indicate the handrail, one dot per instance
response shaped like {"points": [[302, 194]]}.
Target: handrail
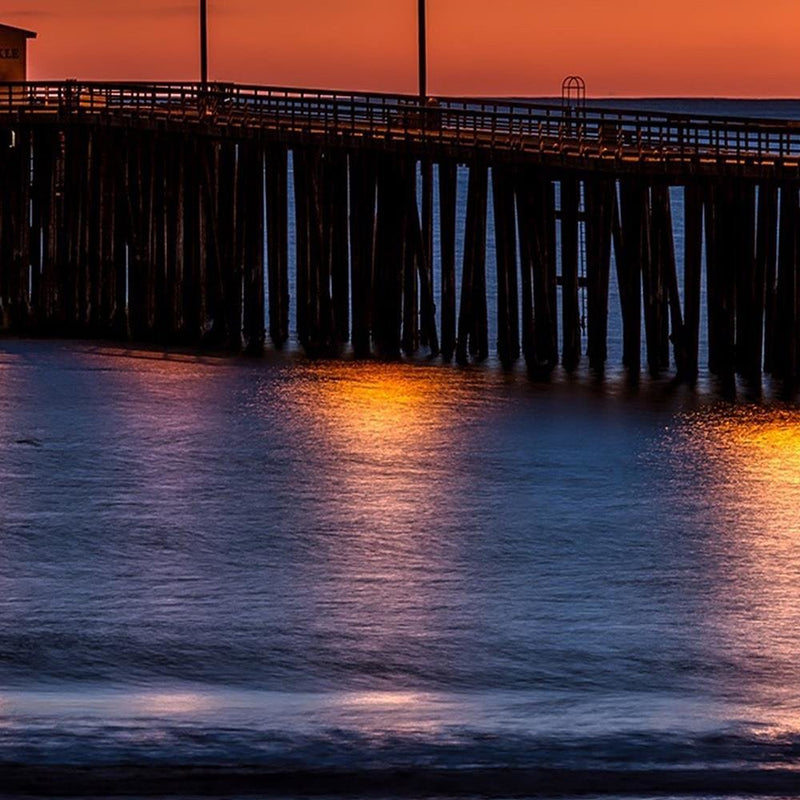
{"points": [[492, 124]]}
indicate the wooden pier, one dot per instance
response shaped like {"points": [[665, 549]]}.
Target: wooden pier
{"points": [[161, 213]]}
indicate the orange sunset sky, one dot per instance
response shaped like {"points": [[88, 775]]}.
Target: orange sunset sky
{"points": [[494, 47]]}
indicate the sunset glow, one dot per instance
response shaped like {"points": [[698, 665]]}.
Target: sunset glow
{"points": [[506, 47]]}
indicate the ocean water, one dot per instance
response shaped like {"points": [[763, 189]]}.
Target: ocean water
{"points": [[227, 577]]}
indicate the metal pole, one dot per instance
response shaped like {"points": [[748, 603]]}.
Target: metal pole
{"points": [[423, 54], [204, 43]]}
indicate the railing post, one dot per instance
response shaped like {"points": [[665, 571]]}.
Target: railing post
{"points": [[70, 87]]}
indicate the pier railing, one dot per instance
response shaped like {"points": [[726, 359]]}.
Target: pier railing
{"points": [[511, 125]]}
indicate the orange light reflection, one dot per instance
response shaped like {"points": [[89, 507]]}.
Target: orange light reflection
{"points": [[388, 548], [741, 467], [390, 428]]}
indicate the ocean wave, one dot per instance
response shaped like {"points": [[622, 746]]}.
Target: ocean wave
{"points": [[134, 743]]}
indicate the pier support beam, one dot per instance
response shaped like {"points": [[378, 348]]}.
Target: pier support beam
{"points": [[630, 247], [251, 194], [692, 277], [506, 257], [389, 258], [363, 182], [535, 196], [600, 197], [786, 323], [448, 185], [766, 266], [278, 244], [472, 322], [570, 250], [421, 252], [721, 261], [749, 286]]}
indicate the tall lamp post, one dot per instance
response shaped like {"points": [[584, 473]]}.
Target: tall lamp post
{"points": [[204, 43], [423, 52]]}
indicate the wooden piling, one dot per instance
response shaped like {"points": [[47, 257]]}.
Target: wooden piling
{"points": [[420, 249], [677, 330], [472, 322], [479, 335], [570, 195], [230, 227], [536, 221], [652, 286], [721, 261], [17, 228], [337, 195], [302, 231], [523, 193], [49, 157], [428, 334], [158, 300], [136, 194], [410, 219], [448, 186], [508, 346], [321, 338], [363, 186], [630, 251], [171, 280], [600, 196], [74, 175], [252, 213], [278, 244], [711, 208], [749, 286], [42, 168], [112, 233], [665, 301], [35, 270], [5, 234], [692, 277], [785, 357], [190, 241], [766, 267], [389, 259]]}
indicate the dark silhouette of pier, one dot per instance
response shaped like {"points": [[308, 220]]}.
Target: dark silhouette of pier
{"points": [[160, 212]]}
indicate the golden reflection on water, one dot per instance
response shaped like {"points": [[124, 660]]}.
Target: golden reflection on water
{"points": [[380, 405], [754, 460], [387, 429], [386, 506], [741, 468]]}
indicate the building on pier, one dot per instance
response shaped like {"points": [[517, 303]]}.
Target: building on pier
{"points": [[14, 53]]}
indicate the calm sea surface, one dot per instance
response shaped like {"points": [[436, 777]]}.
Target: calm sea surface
{"points": [[395, 570]]}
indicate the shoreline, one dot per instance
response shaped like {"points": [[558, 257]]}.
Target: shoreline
{"points": [[204, 781]]}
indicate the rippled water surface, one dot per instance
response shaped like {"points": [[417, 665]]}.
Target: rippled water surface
{"points": [[315, 565]]}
